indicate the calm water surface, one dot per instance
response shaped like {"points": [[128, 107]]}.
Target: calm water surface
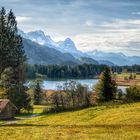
{"points": [[52, 84]]}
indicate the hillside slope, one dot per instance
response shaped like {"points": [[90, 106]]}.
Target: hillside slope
{"points": [[38, 54], [106, 122]]}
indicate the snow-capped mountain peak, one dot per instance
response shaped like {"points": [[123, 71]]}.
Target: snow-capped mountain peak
{"points": [[67, 45], [37, 33], [40, 38], [68, 40], [37, 36]]}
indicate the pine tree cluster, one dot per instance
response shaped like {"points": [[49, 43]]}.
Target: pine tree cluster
{"points": [[12, 61]]}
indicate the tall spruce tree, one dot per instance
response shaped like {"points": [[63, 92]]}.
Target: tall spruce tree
{"points": [[106, 86], [37, 94], [12, 56], [3, 40]]}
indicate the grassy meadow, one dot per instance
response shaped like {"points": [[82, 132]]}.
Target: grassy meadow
{"points": [[104, 122], [120, 79]]}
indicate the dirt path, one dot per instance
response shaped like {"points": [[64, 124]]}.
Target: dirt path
{"points": [[15, 120]]}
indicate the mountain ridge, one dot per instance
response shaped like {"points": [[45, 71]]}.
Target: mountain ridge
{"points": [[68, 46], [117, 58]]}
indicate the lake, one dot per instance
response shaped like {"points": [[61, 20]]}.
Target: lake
{"points": [[52, 84]]}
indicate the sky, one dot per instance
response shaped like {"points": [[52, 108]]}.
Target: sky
{"points": [[104, 25]]}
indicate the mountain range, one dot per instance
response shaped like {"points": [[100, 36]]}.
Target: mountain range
{"points": [[116, 58], [39, 54], [41, 49]]}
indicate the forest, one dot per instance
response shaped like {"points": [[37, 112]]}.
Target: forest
{"points": [[78, 71]]}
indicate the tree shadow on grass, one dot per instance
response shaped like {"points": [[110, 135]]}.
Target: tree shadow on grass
{"points": [[74, 126]]}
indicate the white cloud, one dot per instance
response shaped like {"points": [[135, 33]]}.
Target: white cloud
{"points": [[56, 36], [22, 19], [117, 36], [89, 23], [122, 24]]}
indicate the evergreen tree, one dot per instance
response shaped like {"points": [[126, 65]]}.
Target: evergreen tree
{"points": [[2, 38], [12, 56], [37, 94], [134, 75], [106, 86], [131, 76], [6, 78]]}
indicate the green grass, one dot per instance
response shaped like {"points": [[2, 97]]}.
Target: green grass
{"points": [[1, 122], [122, 75], [120, 79], [38, 109], [105, 122]]}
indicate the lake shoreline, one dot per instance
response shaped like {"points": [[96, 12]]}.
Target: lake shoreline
{"points": [[52, 85]]}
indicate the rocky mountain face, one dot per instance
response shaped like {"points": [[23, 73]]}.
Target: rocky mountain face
{"points": [[39, 54], [41, 49]]}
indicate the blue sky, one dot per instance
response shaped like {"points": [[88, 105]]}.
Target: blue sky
{"points": [[107, 25]]}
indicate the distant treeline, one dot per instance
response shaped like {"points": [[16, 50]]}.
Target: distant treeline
{"points": [[65, 71], [78, 71], [130, 69]]}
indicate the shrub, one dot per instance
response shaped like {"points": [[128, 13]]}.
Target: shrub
{"points": [[70, 96], [125, 78], [133, 93], [120, 94]]}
